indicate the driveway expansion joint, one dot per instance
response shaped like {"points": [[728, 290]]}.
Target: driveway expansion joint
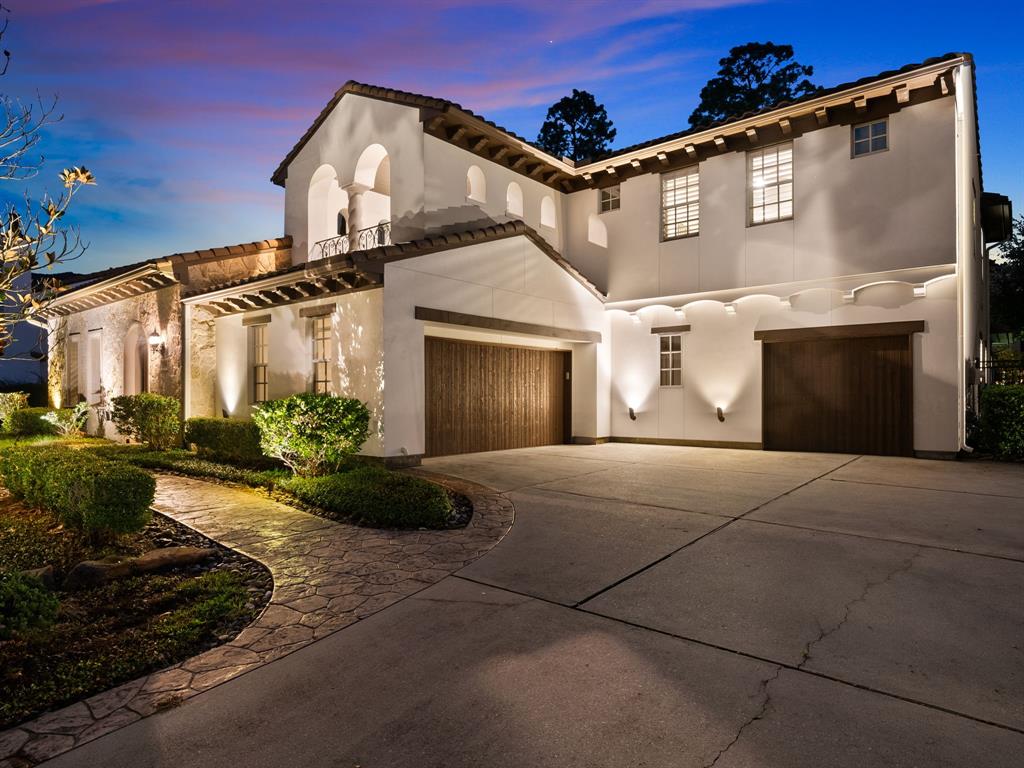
{"points": [[327, 576]]}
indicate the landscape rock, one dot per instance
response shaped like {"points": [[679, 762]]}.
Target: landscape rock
{"points": [[172, 557], [44, 574], [92, 573]]}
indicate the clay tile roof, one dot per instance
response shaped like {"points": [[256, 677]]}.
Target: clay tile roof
{"points": [[782, 104], [380, 255]]}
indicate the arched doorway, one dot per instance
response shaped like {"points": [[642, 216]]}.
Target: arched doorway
{"points": [[136, 361]]}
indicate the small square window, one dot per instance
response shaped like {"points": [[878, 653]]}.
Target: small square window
{"points": [[870, 138], [609, 199], [670, 358]]}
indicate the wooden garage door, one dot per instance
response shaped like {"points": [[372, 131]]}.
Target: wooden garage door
{"points": [[486, 397], [852, 395]]}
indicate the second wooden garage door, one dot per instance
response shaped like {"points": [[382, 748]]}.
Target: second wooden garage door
{"points": [[487, 397], [850, 395]]}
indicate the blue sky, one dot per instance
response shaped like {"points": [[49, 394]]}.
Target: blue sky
{"points": [[183, 110]]}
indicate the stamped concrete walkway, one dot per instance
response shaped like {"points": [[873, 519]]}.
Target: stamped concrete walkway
{"points": [[326, 576]]}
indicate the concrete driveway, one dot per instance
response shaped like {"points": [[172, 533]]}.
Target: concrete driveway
{"points": [[661, 606]]}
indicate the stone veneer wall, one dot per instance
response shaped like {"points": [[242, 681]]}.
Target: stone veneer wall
{"points": [[158, 311]]}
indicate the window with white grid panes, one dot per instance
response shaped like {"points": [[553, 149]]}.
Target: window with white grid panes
{"points": [[321, 332], [671, 359], [771, 183]]}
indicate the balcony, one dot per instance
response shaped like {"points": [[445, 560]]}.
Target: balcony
{"points": [[361, 240]]}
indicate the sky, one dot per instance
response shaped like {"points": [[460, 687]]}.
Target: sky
{"points": [[183, 110]]}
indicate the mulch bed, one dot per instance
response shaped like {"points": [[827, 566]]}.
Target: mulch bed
{"points": [[116, 632]]}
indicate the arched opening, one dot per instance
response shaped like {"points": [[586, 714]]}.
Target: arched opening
{"points": [[547, 213], [371, 200], [476, 185], [597, 233], [328, 207], [135, 361], [514, 200]]}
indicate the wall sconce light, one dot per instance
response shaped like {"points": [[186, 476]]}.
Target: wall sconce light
{"points": [[920, 291], [156, 340], [632, 414], [786, 303], [721, 413], [635, 318], [680, 313], [730, 308]]}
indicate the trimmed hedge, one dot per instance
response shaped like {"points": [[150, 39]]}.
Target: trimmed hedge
{"points": [[233, 440], [25, 605], [28, 422], [375, 496], [1002, 420], [99, 497]]}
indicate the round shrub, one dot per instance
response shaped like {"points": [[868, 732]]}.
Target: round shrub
{"points": [[235, 441], [9, 403], [29, 422], [377, 497], [148, 418], [312, 434], [25, 605]]}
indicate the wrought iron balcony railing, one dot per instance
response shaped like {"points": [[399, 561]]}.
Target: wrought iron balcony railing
{"points": [[374, 237], [362, 240], [332, 246]]}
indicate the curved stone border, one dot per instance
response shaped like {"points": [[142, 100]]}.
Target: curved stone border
{"points": [[327, 575]]}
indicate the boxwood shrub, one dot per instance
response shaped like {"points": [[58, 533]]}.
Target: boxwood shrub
{"points": [[312, 434], [236, 441], [99, 497], [9, 403], [1002, 420], [25, 605], [26, 422], [149, 418], [374, 496]]}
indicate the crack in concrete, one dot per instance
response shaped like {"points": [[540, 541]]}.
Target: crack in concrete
{"points": [[823, 633], [762, 711]]}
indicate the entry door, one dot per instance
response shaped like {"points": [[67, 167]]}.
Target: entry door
{"points": [[489, 397], [850, 395]]}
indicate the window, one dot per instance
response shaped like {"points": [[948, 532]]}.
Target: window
{"points": [[547, 213], [680, 205], [870, 138], [258, 350], [514, 200], [671, 352], [321, 332], [609, 199], [476, 185], [771, 183]]}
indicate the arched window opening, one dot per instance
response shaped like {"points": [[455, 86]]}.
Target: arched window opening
{"points": [[514, 200], [547, 213], [476, 185], [328, 203]]}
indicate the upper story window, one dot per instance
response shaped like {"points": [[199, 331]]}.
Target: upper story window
{"points": [[476, 185], [870, 138], [320, 328], [609, 199], [671, 358], [771, 183], [260, 357], [680, 204]]}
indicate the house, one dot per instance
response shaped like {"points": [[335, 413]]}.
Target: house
{"points": [[809, 277]]}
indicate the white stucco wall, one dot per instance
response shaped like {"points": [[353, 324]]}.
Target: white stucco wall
{"points": [[356, 123], [510, 279], [722, 362], [886, 211], [447, 204], [356, 353]]}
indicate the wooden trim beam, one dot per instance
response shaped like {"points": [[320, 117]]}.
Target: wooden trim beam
{"points": [[256, 320], [323, 309], [670, 329], [861, 331], [506, 326]]}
